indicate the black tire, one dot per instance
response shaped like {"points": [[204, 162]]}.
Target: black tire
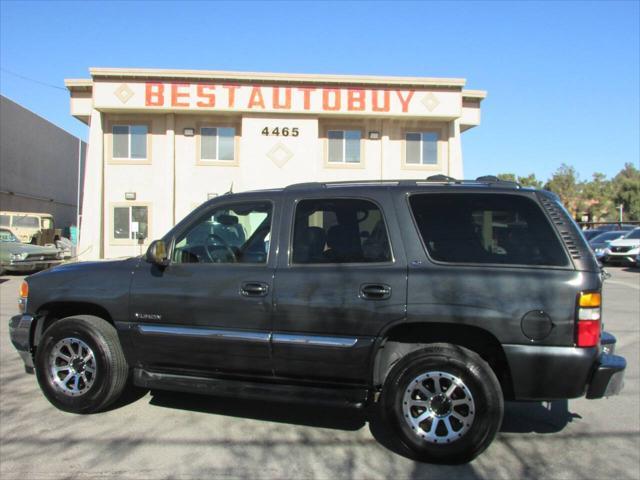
{"points": [[111, 370], [478, 378]]}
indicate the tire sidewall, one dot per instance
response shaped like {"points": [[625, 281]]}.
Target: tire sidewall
{"points": [[99, 390], [487, 400]]}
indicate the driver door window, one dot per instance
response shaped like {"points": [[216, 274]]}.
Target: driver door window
{"points": [[228, 234]]}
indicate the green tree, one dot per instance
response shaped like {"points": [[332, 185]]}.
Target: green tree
{"points": [[530, 181], [626, 191], [597, 198], [564, 183], [507, 177]]}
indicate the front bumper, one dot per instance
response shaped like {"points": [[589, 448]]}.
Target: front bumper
{"points": [[622, 257], [20, 334], [30, 265]]}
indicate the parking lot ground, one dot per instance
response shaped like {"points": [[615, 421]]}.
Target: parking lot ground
{"points": [[153, 435]]}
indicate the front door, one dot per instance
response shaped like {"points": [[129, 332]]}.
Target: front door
{"points": [[343, 281], [210, 309]]}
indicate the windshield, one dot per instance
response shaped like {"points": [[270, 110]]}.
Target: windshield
{"points": [[607, 236], [7, 236], [25, 221], [634, 234]]}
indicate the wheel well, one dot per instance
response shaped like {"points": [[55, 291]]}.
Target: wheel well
{"points": [[53, 311], [405, 338]]}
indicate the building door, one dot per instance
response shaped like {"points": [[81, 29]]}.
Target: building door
{"points": [[341, 283], [210, 309]]}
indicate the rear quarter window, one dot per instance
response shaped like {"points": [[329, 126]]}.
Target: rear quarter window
{"points": [[486, 228]]}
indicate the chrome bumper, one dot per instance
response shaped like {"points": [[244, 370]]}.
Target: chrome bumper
{"points": [[20, 334], [29, 265]]}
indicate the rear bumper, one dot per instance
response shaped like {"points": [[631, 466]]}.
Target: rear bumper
{"points": [[554, 373]]}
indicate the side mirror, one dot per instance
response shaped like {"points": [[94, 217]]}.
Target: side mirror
{"points": [[157, 253]]}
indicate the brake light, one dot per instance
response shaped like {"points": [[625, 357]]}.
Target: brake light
{"points": [[588, 319]]}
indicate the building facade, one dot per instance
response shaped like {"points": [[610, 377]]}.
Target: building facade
{"points": [[38, 165], [162, 142]]}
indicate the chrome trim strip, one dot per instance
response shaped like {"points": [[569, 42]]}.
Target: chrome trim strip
{"points": [[213, 333], [315, 340]]}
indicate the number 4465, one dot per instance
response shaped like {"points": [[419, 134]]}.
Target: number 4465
{"points": [[284, 131]]}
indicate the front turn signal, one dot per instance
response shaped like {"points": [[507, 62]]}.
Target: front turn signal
{"points": [[24, 294]]}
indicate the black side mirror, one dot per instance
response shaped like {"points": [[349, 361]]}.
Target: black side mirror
{"points": [[158, 253]]}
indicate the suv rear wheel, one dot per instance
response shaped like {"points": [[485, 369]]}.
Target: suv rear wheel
{"points": [[444, 402], [80, 364]]}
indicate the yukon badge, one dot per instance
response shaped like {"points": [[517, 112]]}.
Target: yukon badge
{"points": [[147, 316]]}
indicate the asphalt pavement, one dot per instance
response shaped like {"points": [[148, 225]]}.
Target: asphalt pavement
{"points": [[153, 435]]}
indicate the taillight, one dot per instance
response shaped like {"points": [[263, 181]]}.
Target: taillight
{"points": [[588, 319]]}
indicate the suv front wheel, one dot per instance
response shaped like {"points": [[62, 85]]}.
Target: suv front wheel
{"points": [[80, 364], [445, 403]]}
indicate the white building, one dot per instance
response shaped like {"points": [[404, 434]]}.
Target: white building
{"points": [[163, 141]]}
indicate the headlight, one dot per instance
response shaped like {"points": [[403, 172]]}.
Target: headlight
{"points": [[599, 251], [19, 256]]}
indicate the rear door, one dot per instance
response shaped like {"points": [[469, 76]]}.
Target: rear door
{"points": [[341, 278]]}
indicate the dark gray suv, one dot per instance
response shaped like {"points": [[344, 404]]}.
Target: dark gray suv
{"points": [[430, 301]]}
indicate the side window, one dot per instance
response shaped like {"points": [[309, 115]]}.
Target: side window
{"points": [[229, 234], [4, 220], [339, 231], [486, 228]]}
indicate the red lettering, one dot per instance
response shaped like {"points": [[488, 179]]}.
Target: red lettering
{"points": [[255, 99], [307, 96], [405, 101], [287, 98], [154, 95], [355, 100], [206, 92], [336, 99], [232, 94], [176, 95], [376, 106]]}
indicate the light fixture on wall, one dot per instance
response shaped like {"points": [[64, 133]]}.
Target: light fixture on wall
{"points": [[129, 195], [374, 135], [211, 195], [189, 132]]}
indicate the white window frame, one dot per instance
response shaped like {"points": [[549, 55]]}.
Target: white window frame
{"points": [[420, 162], [344, 146], [217, 160], [129, 157], [128, 241]]}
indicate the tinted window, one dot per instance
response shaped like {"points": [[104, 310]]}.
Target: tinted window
{"points": [[229, 234], [476, 228], [339, 231]]}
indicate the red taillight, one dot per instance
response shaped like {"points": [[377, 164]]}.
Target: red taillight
{"points": [[588, 319], [588, 333]]}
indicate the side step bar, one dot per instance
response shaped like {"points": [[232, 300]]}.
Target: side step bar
{"points": [[333, 397]]}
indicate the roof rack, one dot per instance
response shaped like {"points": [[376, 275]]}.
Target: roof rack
{"points": [[489, 180]]}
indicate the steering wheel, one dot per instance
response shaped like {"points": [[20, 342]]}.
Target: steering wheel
{"points": [[220, 242]]}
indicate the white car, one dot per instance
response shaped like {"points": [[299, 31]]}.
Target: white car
{"points": [[624, 250]]}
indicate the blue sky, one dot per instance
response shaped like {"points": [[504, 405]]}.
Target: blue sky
{"points": [[562, 77]]}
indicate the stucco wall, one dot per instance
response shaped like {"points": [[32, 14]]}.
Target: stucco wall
{"points": [[38, 164]]}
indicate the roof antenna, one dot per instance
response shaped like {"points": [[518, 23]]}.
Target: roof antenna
{"points": [[230, 189]]}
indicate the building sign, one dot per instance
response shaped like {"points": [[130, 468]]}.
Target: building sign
{"points": [[278, 99]]}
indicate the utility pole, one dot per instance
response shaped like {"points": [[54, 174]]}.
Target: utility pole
{"points": [[621, 208]]}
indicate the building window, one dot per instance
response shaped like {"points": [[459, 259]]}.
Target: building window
{"points": [[217, 143], [130, 141], [344, 146], [421, 148], [130, 222]]}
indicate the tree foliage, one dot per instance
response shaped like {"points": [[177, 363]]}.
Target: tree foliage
{"points": [[598, 199]]}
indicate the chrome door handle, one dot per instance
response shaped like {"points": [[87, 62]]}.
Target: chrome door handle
{"points": [[374, 291], [254, 289]]}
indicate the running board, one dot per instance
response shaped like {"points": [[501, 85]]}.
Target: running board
{"points": [[334, 397]]}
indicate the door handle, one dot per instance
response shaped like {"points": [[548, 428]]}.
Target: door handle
{"points": [[254, 289], [375, 291]]}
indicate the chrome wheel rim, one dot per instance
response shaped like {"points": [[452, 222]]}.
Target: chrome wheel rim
{"points": [[438, 407], [72, 366]]}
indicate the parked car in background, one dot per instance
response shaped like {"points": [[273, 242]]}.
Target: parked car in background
{"points": [[16, 256], [591, 233], [601, 242], [26, 225], [623, 250]]}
